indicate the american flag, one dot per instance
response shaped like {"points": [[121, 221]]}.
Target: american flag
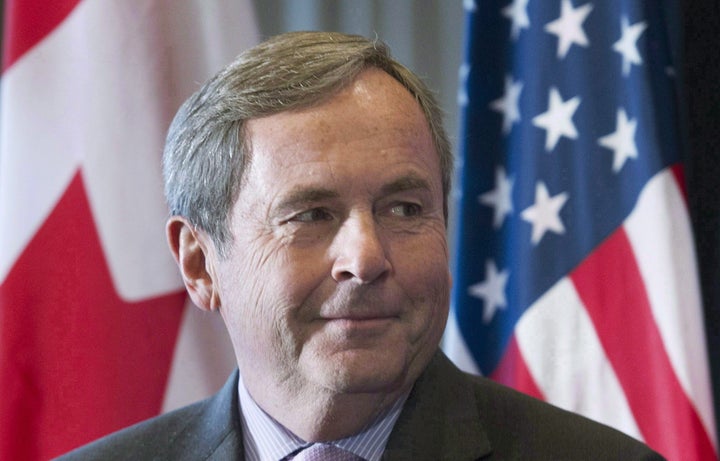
{"points": [[575, 277]]}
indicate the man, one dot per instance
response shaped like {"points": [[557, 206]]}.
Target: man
{"points": [[308, 185]]}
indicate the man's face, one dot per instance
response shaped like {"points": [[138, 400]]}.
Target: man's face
{"points": [[337, 276]]}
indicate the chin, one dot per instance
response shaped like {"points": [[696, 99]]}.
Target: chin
{"points": [[365, 373]]}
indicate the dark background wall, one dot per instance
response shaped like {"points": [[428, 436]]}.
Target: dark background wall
{"points": [[702, 96]]}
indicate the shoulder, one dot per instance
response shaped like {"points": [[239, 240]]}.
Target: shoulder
{"points": [[471, 416], [145, 440], [194, 432], [515, 421]]}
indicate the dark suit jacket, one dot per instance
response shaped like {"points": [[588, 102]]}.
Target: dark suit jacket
{"points": [[448, 416]]}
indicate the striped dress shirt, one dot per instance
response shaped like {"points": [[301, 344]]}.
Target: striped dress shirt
{"points": [[265, 439]]}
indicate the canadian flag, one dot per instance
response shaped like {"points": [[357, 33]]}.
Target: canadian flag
{"points": [[95, 329]]}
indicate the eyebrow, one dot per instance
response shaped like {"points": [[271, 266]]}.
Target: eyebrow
{"points": [[302, 195], [306, 195], [405, 183]]}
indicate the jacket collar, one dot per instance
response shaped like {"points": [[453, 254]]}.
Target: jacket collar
{"points": [[219, 425], [440, 420]]}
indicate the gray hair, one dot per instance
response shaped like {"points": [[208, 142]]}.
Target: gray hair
{"points": [[206, 151]]}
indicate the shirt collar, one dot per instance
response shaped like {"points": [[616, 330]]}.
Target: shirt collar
{"points": [[265, 439]]}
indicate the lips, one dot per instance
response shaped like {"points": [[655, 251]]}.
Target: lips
{"points": [[364, 329], [359, 306], [361, 317]]}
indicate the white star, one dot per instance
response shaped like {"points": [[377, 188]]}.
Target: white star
{"points": [[491, 290], [469, 5], [517, 13], [463, 74], [557, 121], [622, 141], [544, 215], [568, 27], [508, 104], [627, 45], [499, 198]]}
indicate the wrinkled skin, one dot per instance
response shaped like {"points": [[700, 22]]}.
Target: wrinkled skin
{"points": [[335, 286]]}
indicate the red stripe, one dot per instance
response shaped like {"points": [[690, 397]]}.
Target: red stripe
{"points": [[512, 370], [29, 21], [610, 285], [679, 173], [78, 362]]}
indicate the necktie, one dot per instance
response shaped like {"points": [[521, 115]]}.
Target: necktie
{"points": [[325, 452]]}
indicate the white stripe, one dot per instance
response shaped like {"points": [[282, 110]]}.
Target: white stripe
{"points": [[203, 359], [558, 341], [100, 91], [203, 37], [127, 101], [156, 54], [39, 140], [454, 346], [660, 234]]}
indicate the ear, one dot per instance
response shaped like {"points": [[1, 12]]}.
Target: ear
{"points": [[194, 255]]}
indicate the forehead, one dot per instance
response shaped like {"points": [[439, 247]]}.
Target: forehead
{"points": [[373, 120]]}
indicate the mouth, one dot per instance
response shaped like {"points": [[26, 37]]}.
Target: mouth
{"points": [[359, 314], [359, 310], [361, 319], [360, 324]]}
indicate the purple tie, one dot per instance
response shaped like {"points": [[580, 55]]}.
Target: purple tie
{"points": [[325, 452]]}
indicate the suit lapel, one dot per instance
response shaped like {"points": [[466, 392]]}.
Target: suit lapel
{"points": [[216, 433], [230, 448], [440, 419]]}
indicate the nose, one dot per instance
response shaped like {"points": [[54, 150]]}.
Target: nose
{"points": [[359, 251]]}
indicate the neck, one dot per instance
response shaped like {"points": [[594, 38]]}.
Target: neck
{"points": [[321, 415]]}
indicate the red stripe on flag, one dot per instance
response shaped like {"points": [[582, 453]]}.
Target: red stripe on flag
{"points": [[679, 173], [29, 21], [610, 285], [513, 371], [78, 361]]}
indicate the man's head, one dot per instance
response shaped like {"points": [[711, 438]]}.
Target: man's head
{"points": [[332, 275], [206, 151]]}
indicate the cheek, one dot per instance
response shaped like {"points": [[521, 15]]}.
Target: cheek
{"points": [[424, 260], [425, 277], [245, 283], [252, 269], [264, 288], [435, 297]]}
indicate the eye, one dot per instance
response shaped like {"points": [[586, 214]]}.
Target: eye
{"points": [[313, 215], [406, 210]]}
